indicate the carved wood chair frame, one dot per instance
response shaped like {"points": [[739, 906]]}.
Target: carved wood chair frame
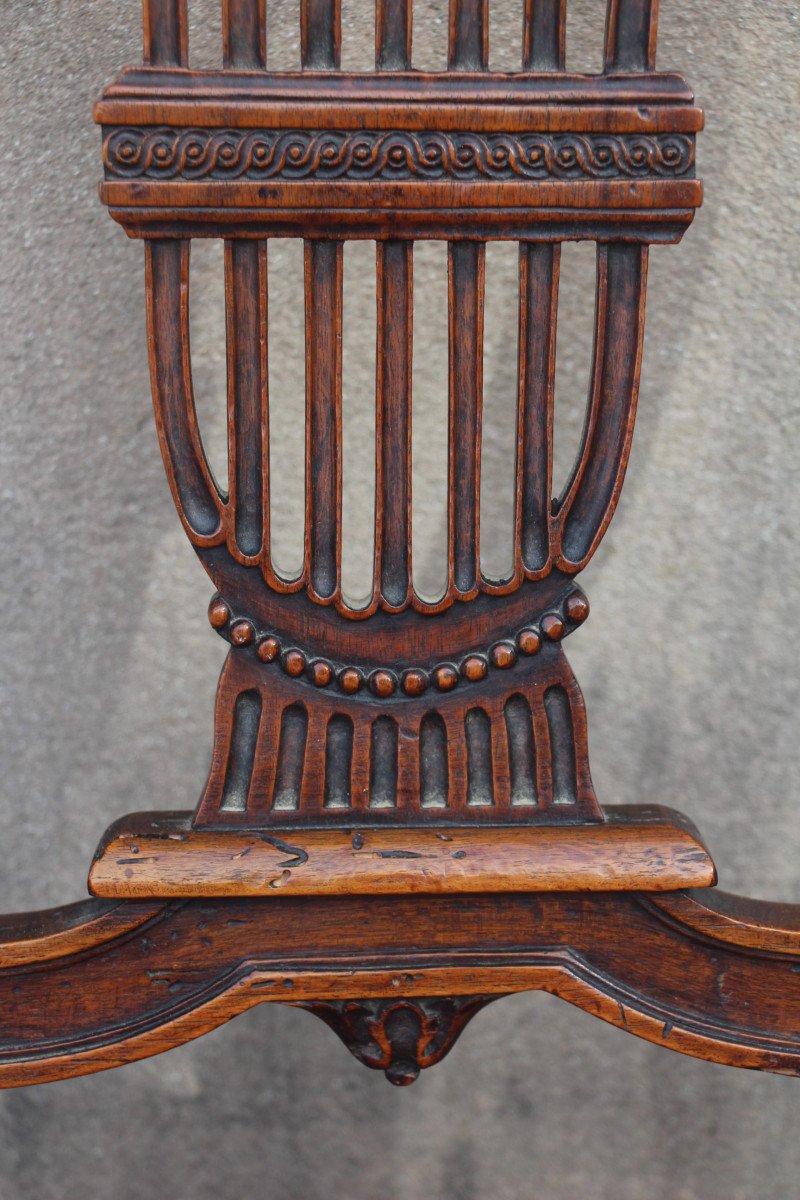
{"points": [[399, 824]]}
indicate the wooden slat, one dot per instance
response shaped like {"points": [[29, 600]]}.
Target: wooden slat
{"points": [[393, 382], [248, 436], [321, 34], [544, 36], [468, 40], [166, 33], [244, 33], [323, 284], [631, 28], [635, 849], [167, 290], [466, 273], [538, 279], [393, 35], [393, 422], [320, 49], [593, 489]]}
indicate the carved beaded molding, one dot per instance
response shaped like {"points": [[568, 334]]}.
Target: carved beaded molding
{"points": [[163, 153], [412, 681]]}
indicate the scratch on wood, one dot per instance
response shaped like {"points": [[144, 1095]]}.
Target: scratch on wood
{"points": [[402, 854], [297, 855]]}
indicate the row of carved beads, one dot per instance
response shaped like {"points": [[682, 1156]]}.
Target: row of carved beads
{"points": [[164, 153], [411, 681]]}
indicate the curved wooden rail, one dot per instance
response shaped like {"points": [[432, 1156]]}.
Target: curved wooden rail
{"points": [[95, 985]]}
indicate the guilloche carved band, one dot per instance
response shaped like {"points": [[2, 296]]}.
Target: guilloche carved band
{"points": [[163, 153]]}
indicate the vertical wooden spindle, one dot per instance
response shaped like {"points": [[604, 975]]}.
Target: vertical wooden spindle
{"points": [[320, 50], [468, 40], [468, 50], [248, 413], [321, 35], [631, 28], [466, 276], [594, 486], [244, 45], [167, 291], [393, 35], [393, 382], [166, 36], [544, 35], [538, 300], [244, 33], [393, 421], [323, 282]]}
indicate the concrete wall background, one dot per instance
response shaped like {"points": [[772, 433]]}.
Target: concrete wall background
{"points": [[689, 665]]}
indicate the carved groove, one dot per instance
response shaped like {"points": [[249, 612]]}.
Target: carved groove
{"points": [[383, 763], [291, 757], [246, 720], [480, 783], [434, 785], [562, 745], [338, 762], [521, 751]]}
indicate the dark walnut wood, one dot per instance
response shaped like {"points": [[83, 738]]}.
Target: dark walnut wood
{"points": [[399, 1037], [399, 824], [703, 973], [161, 855]]}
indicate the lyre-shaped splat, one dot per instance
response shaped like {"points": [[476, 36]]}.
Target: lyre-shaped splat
{"points": [[412, 710], [364, 756]]}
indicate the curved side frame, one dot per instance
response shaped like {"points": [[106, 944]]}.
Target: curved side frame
{"points": [[706, 974]]}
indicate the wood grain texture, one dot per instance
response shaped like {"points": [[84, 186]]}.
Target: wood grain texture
{"points": [[631, 29], [166, 33], [244, 33], [544, 37], [535, 751], [476, 714], [393, 424], [393, 20], [153, 855], [399, 824], [323, 284], [248, 406], [195, 964]]}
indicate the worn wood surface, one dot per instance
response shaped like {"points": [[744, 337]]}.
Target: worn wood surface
{"points": [[330, 709], [377, 968], [399, 824], [636, 849]]}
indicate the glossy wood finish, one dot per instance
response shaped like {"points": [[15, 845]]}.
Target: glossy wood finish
{"points": [[356, 961], [149, 855], [399, 824]]}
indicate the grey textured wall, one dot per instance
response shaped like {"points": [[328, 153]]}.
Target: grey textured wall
{"points": [[689, 663]]}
